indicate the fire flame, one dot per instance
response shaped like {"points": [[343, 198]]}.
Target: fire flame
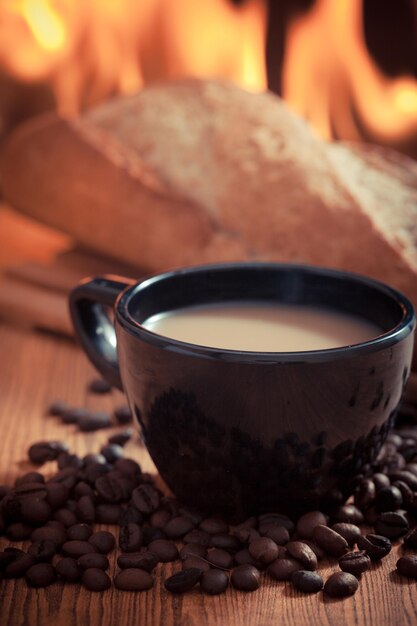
{"points": [[88, 51], [328, 76]]}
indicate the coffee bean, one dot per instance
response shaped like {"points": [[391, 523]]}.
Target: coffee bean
{"points": [[220, 558], [110, 488], [308, 522], [224, 541], [144, 559], [183, 581], [348, 513], [8, 555], [355, 562], [57, 495], [92, 560], [192, 549], [159, 518], [35, 510], [130, 537], [245, 578], [19, 565], [380, 481], [146, 499], [392, 525], [44, 451], [130, 469], [411, 467], [112, 452], [269, 519], [30, 490], [319, 552], [30, 477], [56, 534], [214, 526], [331, 542], [303, 553], [76, 548], [110, 514], [394, 439], [406, 493], [99, 386], [197, 536], [264, 550], [130, 515], [85, 510], [123, 415], [307, 581], [350, 532], [165, 550], [66, 517], [197, 562], [95, 579], [42, 550], [69, 460], [388, 499], [375, 546], [94, 459], [177, 527], [40, 575], [68, 570], [18, 531], [247, 535], [57, 408], [410, 540], [341, 585], [133, 580], [214, 582], [72, 415], [68, 477], [406, 477], [243, 557], [283, 568], [364, 495], [407, 566], [103, 541], [79, 532], [277, 533], [94, 421], [121, 438]]}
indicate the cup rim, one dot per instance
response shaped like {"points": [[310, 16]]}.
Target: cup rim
{"points": [[399, 332]]}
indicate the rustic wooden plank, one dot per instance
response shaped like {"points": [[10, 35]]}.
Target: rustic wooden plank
{"points": [[35, 369]]}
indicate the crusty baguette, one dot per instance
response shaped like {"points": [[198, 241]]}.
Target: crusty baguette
{"points": [[198, 171]]}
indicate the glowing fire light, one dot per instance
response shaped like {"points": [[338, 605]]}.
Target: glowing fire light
{"points": [[46, 25], [90, 50], [328, 74]]}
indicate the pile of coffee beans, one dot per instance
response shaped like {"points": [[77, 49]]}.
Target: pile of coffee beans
{"points": [[57, 516]]}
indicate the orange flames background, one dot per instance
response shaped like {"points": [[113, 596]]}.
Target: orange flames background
{"points": [[90, 50]]}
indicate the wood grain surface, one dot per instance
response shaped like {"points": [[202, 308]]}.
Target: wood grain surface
{"points": [[37, 368]]}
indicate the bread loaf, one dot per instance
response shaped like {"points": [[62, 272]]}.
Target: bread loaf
{"points": [[203, 171]]}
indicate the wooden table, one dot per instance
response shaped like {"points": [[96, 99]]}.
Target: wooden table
{"points": [[37, 368]]}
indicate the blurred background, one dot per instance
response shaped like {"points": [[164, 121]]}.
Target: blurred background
{"points": [[348, 66]]}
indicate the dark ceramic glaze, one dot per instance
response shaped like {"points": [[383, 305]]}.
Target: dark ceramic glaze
{"points": [[243, 432]]}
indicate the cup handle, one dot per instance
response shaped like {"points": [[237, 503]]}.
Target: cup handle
{"points": [[90, 303]]}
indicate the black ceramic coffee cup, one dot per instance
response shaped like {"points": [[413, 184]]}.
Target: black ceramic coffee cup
{"points": [[237, 432]]}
